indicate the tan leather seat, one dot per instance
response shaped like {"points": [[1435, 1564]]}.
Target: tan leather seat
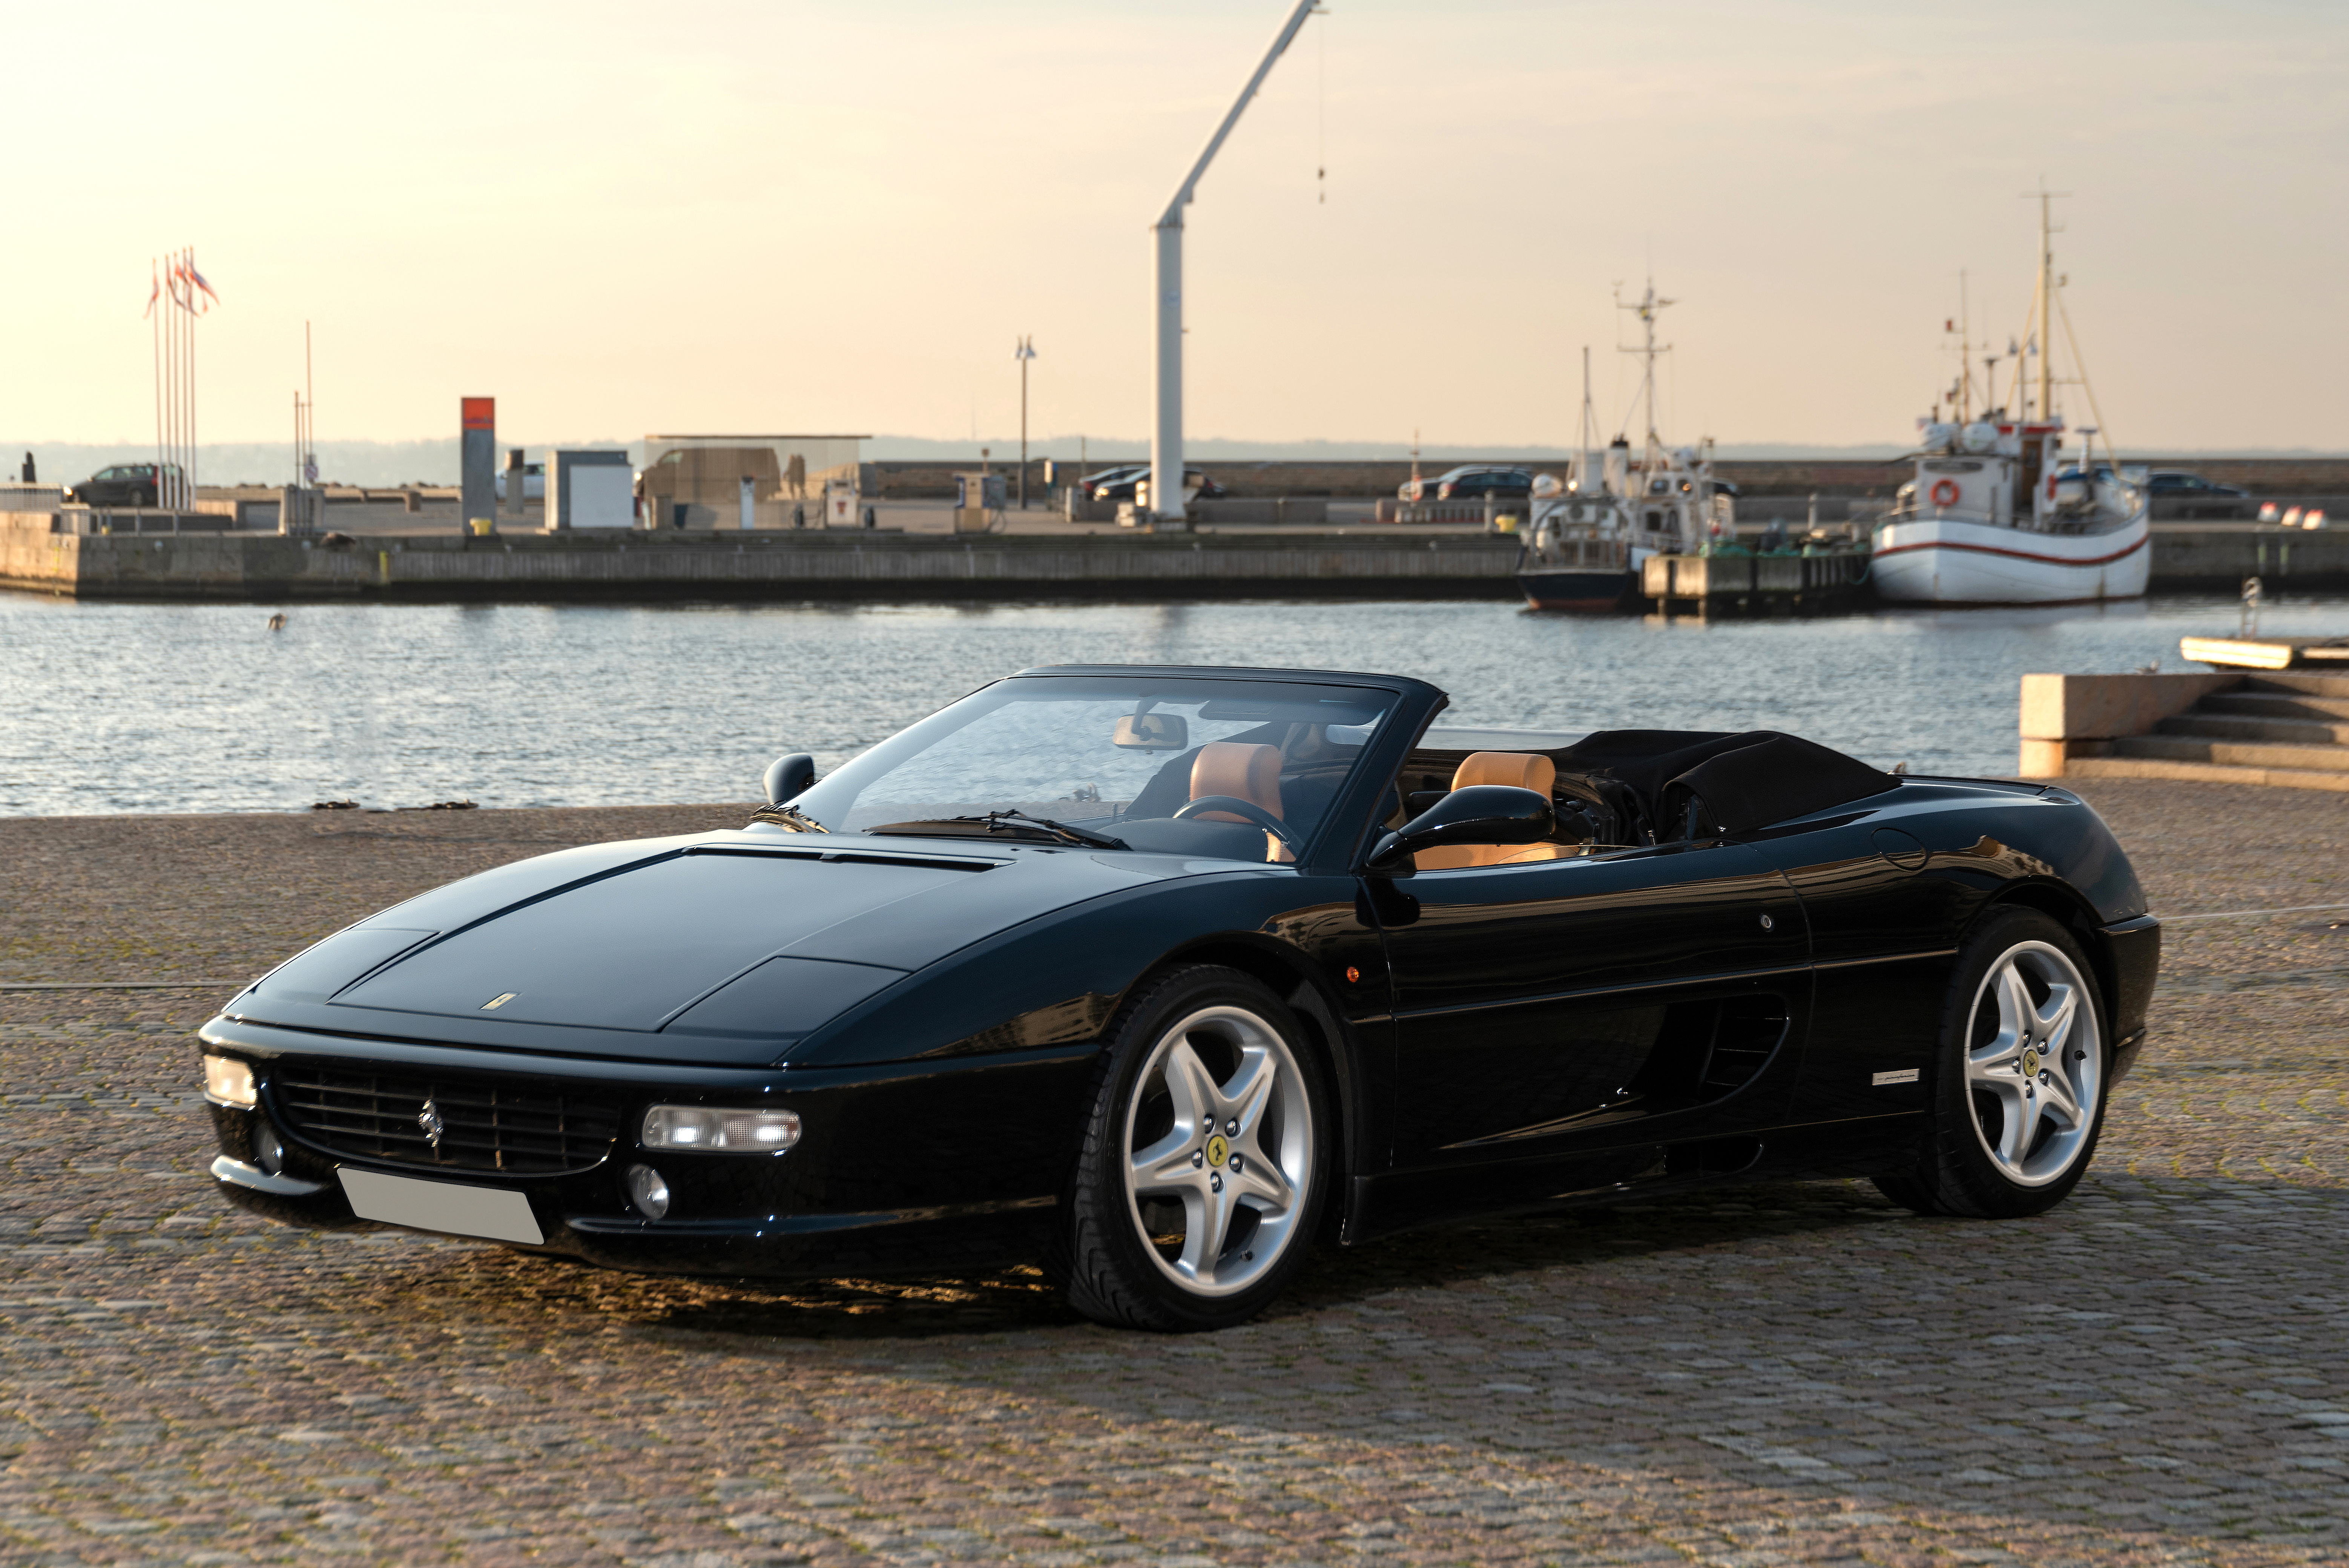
{"points": [[1520, 769], [1245, 772]]}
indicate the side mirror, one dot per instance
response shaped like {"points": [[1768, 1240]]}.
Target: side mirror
{"points": [[789, 776], [1479, 814]]}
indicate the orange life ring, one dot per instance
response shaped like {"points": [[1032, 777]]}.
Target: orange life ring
{"points": [[1945, 492]]}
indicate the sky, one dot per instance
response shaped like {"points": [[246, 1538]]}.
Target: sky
{"points": [[779, 217]]}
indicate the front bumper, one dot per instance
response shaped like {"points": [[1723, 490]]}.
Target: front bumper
{"points": [[901, 1168]]}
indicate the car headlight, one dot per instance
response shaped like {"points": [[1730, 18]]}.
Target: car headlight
{"points": [[720, 1128], [229, 1082]]}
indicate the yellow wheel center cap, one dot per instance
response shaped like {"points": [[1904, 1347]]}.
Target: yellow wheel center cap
{"points": [[2030, 1063], [1217, 1149]]}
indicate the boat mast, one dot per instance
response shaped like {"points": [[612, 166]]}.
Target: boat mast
{"points": [[1647, 308], [1965, 354], [2046, 312], [2042, 310], [1588, 429]]}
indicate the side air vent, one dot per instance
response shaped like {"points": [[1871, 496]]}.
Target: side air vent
{"points": [[1708, 1050]]}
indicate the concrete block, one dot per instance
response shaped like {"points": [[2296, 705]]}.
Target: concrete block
{"points": [[2101, 707]]}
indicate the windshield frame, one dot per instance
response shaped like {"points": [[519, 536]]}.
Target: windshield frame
{"points": [[1336, 840]]}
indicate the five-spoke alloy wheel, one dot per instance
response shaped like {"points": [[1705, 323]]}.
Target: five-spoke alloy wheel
{"points": [[2018, 1084], [2035, 1063], [1203, 1169]]}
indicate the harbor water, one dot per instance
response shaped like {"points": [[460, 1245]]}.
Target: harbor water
{"points": [[114, 707]]}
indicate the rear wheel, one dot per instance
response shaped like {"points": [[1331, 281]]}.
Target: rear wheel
{"points": [[2018, 1079], [1204, 1162]]}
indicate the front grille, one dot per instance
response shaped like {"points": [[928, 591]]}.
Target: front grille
{"points": [[522, 1130]]}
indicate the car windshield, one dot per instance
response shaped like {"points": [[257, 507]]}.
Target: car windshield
{"points": [[1233, 769]]}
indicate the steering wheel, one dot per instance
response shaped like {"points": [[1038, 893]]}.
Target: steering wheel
{"points": [[1239, 808]]}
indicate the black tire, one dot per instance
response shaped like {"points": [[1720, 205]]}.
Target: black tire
{"points": [[1118, 1256], [1979, 1158]]}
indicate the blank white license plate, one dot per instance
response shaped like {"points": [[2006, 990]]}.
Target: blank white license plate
{"points": [[490, 1212]]}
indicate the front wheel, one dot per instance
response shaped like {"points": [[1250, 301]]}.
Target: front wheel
{"points": [[2019, 1077], [1205, 1163]]}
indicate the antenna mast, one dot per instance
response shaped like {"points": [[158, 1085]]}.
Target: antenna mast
{"points": [[2043, 327], [1588, 433], [1965, 353], [1648, 307]]}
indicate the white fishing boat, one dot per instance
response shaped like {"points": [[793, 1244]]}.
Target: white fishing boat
{"points": [[1587, 536], [1998, 513]]}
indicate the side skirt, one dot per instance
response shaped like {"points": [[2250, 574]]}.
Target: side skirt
{"points": [[1386, 1205]]}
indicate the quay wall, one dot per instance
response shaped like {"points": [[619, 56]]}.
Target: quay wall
{"points": [[871, 566], [880, 566], [2188, 557]]}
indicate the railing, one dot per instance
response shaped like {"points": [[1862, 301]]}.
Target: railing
{"points": [[93, 520]]}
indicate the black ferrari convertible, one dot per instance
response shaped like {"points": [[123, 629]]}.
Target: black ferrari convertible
{"points": [[1161, 975]]}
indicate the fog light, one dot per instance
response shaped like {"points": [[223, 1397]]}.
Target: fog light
{"points": [[647, 1192], [268, 1148], [720, 1127], [229, 1082]]}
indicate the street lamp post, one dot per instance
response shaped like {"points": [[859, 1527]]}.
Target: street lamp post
{"points": [[1024, 353]]}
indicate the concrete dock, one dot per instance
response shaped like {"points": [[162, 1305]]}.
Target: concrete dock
{"points": [[845, 564], [1035, 560]]}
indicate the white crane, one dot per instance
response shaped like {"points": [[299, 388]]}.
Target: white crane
{"points": [[1166, 427]]}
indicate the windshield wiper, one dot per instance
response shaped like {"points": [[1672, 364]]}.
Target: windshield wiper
{"points": [[797, 820], [1007, 821], [1073, 835]]}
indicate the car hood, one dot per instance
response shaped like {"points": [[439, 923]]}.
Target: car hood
{"points": [[721, 948]]}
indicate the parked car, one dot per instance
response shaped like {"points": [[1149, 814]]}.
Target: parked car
{"points": [[1163, 974], [1123, 487], [2176, 484], [533, 481], [1472, 481], [2176, 493], [1123, 471], [124, 484]]}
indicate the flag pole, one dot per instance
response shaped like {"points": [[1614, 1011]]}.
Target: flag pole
{"points": [[191, 381], [155, 331], [171, 386]]}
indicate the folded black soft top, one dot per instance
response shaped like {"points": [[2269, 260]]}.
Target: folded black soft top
{"points": [[1740, 781]]}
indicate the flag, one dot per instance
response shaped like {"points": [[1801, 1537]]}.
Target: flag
{"points": [[154, 290], [197, 278]]}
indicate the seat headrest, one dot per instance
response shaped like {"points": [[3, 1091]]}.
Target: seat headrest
{"points": [[1524, 769], [1251, 773]]}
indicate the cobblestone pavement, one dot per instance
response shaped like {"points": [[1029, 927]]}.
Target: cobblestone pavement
{"points": [[1797, 1373]]}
